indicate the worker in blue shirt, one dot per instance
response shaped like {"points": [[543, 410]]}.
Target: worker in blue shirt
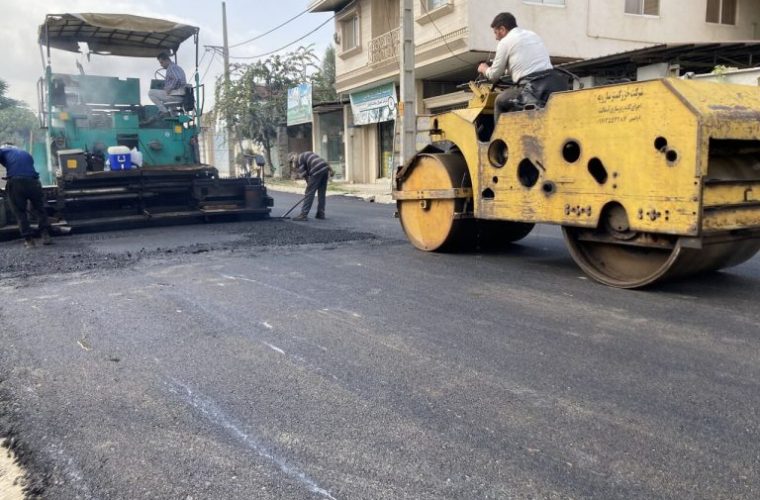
{"points": [[24, 185]]}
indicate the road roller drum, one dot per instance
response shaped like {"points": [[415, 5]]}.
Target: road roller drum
{"points": [[648, 180]]}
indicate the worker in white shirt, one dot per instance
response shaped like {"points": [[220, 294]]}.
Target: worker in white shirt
{"points": [[521, 55]]}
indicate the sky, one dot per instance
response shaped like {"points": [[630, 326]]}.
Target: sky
{"points": [[23, 62]]}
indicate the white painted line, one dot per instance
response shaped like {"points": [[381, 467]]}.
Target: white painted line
{"points": [[273, 347], [214, 414]]}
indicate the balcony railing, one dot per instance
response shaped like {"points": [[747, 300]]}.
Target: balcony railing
{"points": [[384, 47]]}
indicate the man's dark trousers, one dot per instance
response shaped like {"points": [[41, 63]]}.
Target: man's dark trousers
{"points": [[316, 184], [21, 189]]}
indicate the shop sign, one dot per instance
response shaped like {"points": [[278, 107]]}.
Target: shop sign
{"points": [[299, 104], [374, 105]]}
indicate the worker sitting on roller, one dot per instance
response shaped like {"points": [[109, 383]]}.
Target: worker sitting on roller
{"points": [[521, 55], [174, 85]]}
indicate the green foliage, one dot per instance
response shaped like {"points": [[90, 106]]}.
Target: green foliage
{"points": [[6, 102], [256, 100], [324, 80], [16, 124], [16, 120]]}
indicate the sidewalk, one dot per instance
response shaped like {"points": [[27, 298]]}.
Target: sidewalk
{"points": [[378, 192]]}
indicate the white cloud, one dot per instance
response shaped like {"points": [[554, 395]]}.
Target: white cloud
{"points": [[23, 61]]}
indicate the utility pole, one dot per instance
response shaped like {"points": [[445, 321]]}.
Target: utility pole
{"points": [[408, 88], [228, 118]]}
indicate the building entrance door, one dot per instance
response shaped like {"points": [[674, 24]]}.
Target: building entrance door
{"points": [[386, 131]]}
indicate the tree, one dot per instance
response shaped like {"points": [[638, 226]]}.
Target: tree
{"points": [[324, 80], [16, 125], [16, 120], [257, 96], [6, 102]]}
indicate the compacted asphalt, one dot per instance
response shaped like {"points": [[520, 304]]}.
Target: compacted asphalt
{"points": [[332, 360]]}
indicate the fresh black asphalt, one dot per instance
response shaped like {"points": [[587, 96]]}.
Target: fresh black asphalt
{"points": [[330, 359]]}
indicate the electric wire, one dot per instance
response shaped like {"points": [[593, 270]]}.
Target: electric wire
{"points": [[443, 38], [200, 63], [270, 31], [285, 46], [205, 53], [203, 78]]}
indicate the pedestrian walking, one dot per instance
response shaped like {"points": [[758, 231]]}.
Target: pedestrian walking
{"points": [[316, 171], [24, 187]]}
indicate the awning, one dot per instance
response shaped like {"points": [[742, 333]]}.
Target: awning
{"points": [[696, 57], [114, 34]]}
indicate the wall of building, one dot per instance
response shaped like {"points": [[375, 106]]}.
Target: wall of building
{"points": [[356, 70], [592, 28], [347, 61], [361, 151], [578, 30]]}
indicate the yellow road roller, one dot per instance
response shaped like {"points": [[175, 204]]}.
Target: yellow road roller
{"points": [[649, 180]]}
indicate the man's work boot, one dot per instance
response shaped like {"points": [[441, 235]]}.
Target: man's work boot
{"points": [[300, 217], [45, 235], [319, 216], [28, 242]]}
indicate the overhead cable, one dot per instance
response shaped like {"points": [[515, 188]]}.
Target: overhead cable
{"points": [[443, 37], [284, 46], [270, 31]]}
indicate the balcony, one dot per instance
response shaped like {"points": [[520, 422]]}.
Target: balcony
{"points": [[327, 5], [384, 48]]}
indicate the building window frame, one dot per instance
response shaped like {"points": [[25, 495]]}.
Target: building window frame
{"points": [[721, 12], [640, 8], [431, 5], [547, 3], [349, 21], [432, 12]]}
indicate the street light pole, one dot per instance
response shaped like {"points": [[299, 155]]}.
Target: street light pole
{"points": [[228, 118], [408, 89]]}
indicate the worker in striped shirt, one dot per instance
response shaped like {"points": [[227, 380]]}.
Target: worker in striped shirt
{"points": [[174, 85], [316, 171]]}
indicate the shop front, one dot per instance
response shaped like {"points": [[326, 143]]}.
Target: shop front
{"points": [[328, 136], [372, 146]]}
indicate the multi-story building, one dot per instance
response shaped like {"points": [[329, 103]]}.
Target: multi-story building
{"points": [[452, 36]]}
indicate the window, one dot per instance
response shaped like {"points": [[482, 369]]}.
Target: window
{"points": [[546, 2], [643, 7], [721, 11], [348, 24], [434, 4], [350, 33]]}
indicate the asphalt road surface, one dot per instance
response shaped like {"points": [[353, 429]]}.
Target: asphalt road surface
{"points": [[331, 360]]}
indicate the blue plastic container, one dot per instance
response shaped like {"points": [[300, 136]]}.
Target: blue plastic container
{"points": [[120, 158]]}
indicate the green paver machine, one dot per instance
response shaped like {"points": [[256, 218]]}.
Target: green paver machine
{"points": [[87, 117]]}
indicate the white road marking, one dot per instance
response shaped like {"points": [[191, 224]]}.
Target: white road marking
{"points": [[273, 347], [214, 414]]}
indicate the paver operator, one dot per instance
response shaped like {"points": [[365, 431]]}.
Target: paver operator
{"points": [[174, 85]]}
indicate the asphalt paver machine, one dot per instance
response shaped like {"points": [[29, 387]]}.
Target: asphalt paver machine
{"points": [[85, 116]]}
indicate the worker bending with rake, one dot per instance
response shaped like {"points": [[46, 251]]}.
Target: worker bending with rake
{"points": [[316, 171]]}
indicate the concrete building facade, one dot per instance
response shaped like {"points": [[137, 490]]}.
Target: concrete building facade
{"points": [[452, 36]]}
